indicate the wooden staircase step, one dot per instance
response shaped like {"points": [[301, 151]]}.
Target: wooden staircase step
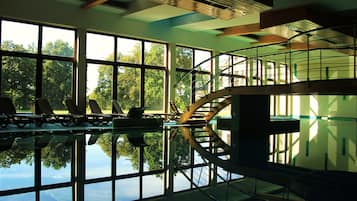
{"points": [[223, 153], [209, 107], [202, 111], [198, 131], [213, 147], [213, 140]]}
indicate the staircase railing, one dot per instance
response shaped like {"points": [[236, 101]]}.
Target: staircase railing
{"points": [[323, 53]]}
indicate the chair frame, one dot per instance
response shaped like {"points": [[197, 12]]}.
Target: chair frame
{"points": [[9, 115], [45, 109]]}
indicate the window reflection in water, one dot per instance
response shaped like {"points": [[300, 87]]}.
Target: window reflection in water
{"points": [[17, 163], [122, 165], [63, 194], [127, 189], [98, 191], [127, 157], [98, 154], [56, 159]]}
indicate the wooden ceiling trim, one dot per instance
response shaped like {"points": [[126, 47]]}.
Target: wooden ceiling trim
{"points": [[92, 3], [241, 30], [273, 17], [269, 39], [304, 46], [318, 15], [186, 4]]}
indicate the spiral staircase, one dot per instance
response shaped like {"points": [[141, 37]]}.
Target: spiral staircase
{"points": [[328, 60], [320, 75]]}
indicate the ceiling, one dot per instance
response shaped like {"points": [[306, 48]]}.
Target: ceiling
{"points": [[263, 21]]}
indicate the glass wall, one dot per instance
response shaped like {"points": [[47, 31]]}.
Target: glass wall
{"points": [[233, 70], [269, 73], [192, 84], [36, 61], [183, 89], [134, 77]]}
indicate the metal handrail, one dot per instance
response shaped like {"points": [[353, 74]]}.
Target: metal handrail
{"points": [[289, 53]]}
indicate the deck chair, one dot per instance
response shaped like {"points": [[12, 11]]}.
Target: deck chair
{"points": [[93, 139], [4, 121], [45, 109], [95, 109], [77, 115], [117, 109], [134, 112], [9, 115], [80, 117], [6, 142]]}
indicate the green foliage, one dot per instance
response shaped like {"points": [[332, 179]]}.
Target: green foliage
{"points": [[57, 153], [19, 75], [135, 56], [183, 91], [22, 150], [184, 58], [182, 149], [105, 143], [154, 93], [103, 91], [126, 149], [128, 87], [57, 75], [129, 81], [58, 48], [156, 55], [154, 152], [152, 155]]}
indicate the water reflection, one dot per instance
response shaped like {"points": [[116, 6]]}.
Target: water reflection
{"points": [[56, 159], [102, 165], [98, 155], [57, 194], [321, 144], [128, 189], [17, 163]]}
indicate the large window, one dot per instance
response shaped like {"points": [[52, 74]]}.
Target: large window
{"points": [[283, 75], [269, 73], [36, 61], [192, 84], [233, 70], [134, 77], [183, 90], [256, 72], [225, 71]]}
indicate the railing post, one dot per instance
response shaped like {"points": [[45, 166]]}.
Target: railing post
{"points": [[257, 68], [290, 62], [286, 70], [320, 64], [354, 51], [308, 58]]}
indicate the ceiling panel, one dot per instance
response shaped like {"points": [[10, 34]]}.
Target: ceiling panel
{"points": [[157, 13]]}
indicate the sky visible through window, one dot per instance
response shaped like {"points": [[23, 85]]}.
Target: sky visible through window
{"points": [[98, 46]]}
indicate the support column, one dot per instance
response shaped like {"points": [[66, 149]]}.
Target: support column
{"points": [[171, 72], [80, 95], [250, 73], [215, 71], [171, 149], [250, 122], [265, 72], [79, 168]]}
